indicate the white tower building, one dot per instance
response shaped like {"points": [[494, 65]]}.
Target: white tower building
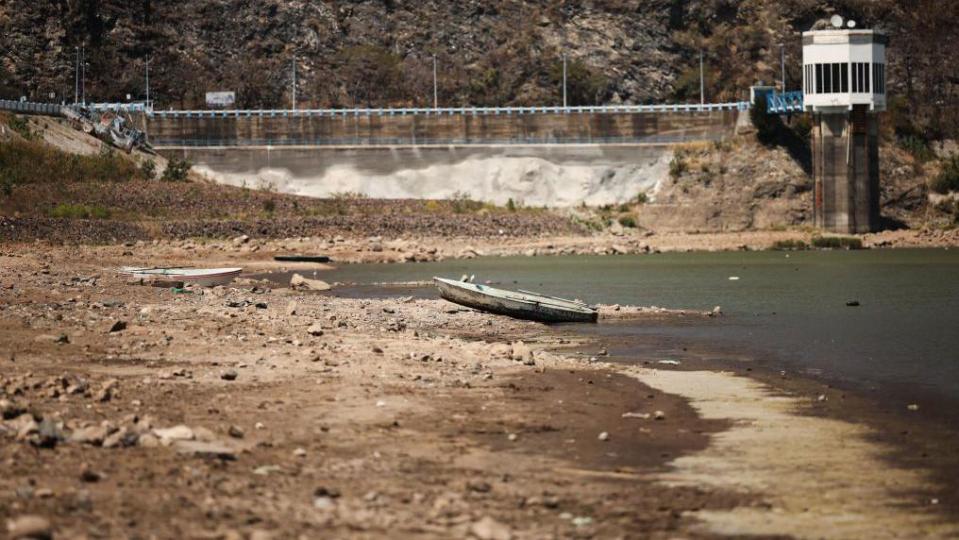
{"points": [[844, 86]]}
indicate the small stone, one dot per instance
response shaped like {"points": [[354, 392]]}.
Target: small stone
{"points": [[106, 391], [377, 350], [822, 397], [89, 475], [229, 375], [93, 435], [852, 303], [300, 452], [512, 436], [175, 433], [490, 529], [115, 326], [236, 432], [659, 415], [30, 526], [479, 486], [206, 450], [604, 436], [315, 330], [913, 407], [291, 308], [148, 440]]}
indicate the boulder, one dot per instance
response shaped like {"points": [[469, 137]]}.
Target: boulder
{"points": [[301, 283]]}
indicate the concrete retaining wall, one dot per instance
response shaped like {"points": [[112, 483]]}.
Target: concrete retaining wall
{"points": [[560, 128]]}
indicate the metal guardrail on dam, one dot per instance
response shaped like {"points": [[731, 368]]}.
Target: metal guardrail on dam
{"points": [[29, 107], [449, 111]]}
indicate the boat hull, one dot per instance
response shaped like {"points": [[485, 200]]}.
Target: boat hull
{"points": [[511, 304], [204, 278]]}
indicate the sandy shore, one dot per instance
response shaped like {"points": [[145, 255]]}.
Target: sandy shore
{"points": [[251, 412]]}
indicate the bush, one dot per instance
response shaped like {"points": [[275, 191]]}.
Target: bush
{"points": [[677, 167], [148, 169], [79, 211], [628, 221], [510, 205], [642, 198], [917, 146], [177, 170], [463, 202], [789, 245], [948, 179], [269, 206], [837, 242], [21, 126]]}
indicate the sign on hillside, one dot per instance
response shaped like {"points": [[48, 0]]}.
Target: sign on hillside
{"points": [[220, 100]]}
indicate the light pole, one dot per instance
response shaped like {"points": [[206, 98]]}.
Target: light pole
{"points": [[76, 75], [294, 83], [782, 64], [83, 75], [148, 82], [564, 81], [436, 99], [702, 80]]}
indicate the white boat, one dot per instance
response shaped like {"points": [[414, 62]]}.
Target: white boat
{"points": [[520, 304], [204, 277]]}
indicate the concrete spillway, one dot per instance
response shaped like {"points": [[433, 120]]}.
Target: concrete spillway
{"points": [[539, 159]]}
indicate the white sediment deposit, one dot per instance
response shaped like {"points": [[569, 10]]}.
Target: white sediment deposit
{"points": [[526, 179]]}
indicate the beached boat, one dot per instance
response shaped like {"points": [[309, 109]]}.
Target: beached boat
{"points": [[204, 277], [518, 304]]}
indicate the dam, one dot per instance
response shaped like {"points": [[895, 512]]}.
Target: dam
{"points": [[538, 156]]}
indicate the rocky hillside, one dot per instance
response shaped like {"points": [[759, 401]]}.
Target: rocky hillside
{"points": [[379, 52]]}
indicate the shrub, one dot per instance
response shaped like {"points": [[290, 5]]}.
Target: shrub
{"points": [[677, 167], [917, 146], [269, 206], [79, 211], [628, 221], [789, 245], [32, 162], [177, 170], [837, 242], [148, 169], [21, 126], [463, 202], [642, 198], [510, 205], [948, 178]]}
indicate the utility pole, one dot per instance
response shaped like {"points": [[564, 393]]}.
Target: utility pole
{"points": [[76, 75], [436, 98], [294, 82], [564, 81], [83, 74], [702, 80], [148, 82], [782, 64]]}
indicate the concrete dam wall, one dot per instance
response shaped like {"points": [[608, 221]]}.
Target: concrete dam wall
{"points": [[534, 159]]}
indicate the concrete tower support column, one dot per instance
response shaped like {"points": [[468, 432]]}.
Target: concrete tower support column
{"points": [[846, 170]]}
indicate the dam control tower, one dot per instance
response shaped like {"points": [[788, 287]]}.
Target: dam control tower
{"points": [[844, 87]]}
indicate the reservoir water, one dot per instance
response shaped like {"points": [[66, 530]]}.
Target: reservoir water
{"points": [[782, 310]]}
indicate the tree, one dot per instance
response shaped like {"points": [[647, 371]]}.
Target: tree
{"points": [[370, 74], [583, 85]]}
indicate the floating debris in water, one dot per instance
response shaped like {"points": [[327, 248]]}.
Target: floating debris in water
{"points": [[669, 362], [733, 278]]}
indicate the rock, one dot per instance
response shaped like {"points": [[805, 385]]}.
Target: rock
{"points": [[479, 486], [659, 415], [48, 434], [620, 250], [604, 436], [89, 475], [299, 282], [852, 303], [106, 391], [300, 452], [519, 351], [52, 338], [240, 240], [11, 409], [490, 529], [236, 432], [716, 312], [148, 440], [175, 433], [30, 526], [206, 450], [229, 375], [203, 434], [93, 435], [291, 308], [122, 437], [912, 407], [115, 326], [315, 330]]}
